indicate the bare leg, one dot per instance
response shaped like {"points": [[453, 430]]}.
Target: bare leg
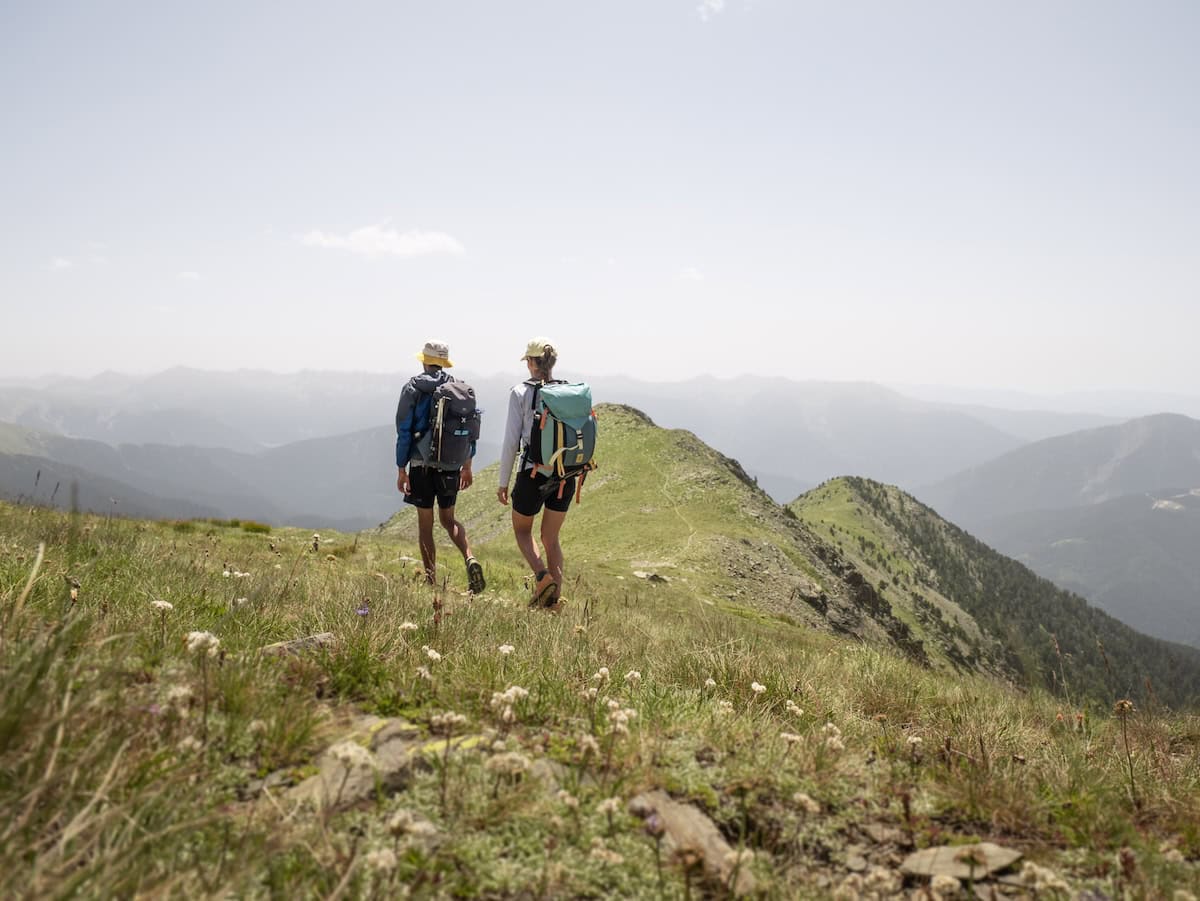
{"points": [[523, 529], [551, 525], [455, 530], [425, 539]]}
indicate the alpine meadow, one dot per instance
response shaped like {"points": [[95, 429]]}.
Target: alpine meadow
{"points": [[688, 450], [737, 698]]}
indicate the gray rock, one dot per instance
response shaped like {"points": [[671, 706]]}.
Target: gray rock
{"points": [[650, 577], [955, 860], [298, 645], [687, 828], [392, 750]]}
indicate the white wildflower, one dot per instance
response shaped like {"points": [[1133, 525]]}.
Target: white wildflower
{"points": [[383, 860], [1042, 879], [882, 882], [257, 727], [609, 806], [568, 799], [601, 853], [506, 649], [588, 744], [189, 745], [944, 885], [832, 731], [710, 682], [806, 803], [757, 687], [850, 889], [589, 694], [791, 738], [448, 720], [510, 763], [633, 677], [226, 573], [162, 606], [725, 706], [202, 643], [915, 742], [401, 823], [352, 755], [408, 627], [601, 675], [179, 695], [424, 673], [793, 708], [431, 653], [834, 745]]}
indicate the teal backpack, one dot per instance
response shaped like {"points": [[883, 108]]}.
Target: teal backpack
{"points": [[562, 442]]}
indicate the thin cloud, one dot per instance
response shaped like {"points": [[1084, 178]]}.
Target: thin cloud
{"points": [[710, 9], [189, 276], [379, 241], [61, 263], [691, 274]]}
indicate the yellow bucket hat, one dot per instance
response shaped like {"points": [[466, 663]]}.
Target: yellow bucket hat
{"points": [[537, 347], [435, 353]]}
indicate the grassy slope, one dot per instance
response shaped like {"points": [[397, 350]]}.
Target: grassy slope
{"points": [[664, 502], [922, 560], [86, 712]]}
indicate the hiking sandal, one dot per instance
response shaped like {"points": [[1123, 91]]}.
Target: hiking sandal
{"points": [[475, 580], [544, 589]]}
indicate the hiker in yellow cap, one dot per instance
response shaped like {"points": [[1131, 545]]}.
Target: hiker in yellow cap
{"points": [[437, 424], [546, 476]]}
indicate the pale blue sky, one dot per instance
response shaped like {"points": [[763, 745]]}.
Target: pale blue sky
{"points": [[968, 193]]}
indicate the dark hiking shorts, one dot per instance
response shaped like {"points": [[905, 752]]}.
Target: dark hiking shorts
{"points": [[426, 483], [528, 494]]}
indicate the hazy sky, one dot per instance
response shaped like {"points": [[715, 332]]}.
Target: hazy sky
{"points": [[985, 194]]}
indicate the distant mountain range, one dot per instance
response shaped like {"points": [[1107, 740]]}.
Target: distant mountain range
{"points": [[1111, 513], [347, 481], [790, 435]]}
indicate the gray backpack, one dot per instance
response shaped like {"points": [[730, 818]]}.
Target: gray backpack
{"points": [[453, 425]]}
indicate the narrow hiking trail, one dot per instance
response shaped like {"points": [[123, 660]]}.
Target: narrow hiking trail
{"points": [[674, 504]]}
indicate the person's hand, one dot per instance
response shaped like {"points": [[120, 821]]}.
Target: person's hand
{"points": [[402, 481], [465, 478], [502, 494]]}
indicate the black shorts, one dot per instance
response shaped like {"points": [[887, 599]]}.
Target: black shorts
{"points": [[425, 483], [528, 494]]}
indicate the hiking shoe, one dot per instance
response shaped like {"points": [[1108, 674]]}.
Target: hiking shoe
{"points": [[544, 589], [475, 578]]}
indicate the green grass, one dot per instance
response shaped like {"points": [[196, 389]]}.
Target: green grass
{"points": [[128, 765]]}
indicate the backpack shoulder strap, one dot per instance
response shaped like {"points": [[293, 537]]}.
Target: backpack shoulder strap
{"points": [[536, 385]]}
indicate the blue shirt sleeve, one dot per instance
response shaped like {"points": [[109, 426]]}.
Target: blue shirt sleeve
{"points": [[406, 411]]}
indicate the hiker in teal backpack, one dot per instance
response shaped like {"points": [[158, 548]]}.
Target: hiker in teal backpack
{"points": [[552, 424], [437, 425]]}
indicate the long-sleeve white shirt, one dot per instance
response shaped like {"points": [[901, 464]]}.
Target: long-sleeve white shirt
{"points": [[517, 427]]}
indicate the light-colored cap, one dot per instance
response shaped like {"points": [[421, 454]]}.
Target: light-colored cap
{"points": [[435, 353], [537, 347]]}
